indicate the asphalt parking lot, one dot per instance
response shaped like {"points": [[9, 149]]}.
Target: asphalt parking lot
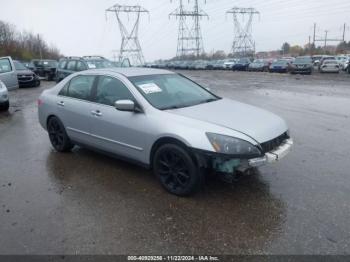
{"points": [[86, 203]]}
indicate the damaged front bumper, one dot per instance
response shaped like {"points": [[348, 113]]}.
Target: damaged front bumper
{"points": [[229, 165], [272, 156]]}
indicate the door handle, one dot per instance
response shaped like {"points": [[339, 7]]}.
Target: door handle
{"points": [[61, 103], [96, 113]]}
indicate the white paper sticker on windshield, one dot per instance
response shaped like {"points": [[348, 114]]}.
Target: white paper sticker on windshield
{"points": [[91, 66], [150, 88]]}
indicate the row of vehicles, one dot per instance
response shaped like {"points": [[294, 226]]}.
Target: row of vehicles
{"points": [[15, 74], [298, 65]]}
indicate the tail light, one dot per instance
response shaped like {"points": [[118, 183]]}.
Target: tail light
{"points": [[40, 102]]}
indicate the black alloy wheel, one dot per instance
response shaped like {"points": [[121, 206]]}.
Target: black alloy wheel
{"points": [[176, 170], [58, 136]]}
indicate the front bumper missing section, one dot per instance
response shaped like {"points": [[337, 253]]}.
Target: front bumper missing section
{"points": [[273, 156]]}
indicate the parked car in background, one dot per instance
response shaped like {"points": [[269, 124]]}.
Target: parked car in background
{"points": [[26, 77], [4, 97], [342, 59], [210, 64], [330, 66], [184, 65], [219, 65], [123, 111], [288, 58], [302, 65], [44, 68], [200, 65], [191, 65], [8, 73], [242, 64], [280, 66], [259, 65], [229, 63], [49, 69], [325, 58], [316, 59], [70, 65]]}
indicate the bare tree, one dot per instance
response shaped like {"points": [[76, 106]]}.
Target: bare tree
{"points": [[24, 45]]}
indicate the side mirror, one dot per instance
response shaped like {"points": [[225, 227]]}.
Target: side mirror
{"points": [[125, 105]]}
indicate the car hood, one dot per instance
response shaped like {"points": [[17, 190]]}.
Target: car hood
{"points": [[307, 64], [258, 124], [24, 72]]}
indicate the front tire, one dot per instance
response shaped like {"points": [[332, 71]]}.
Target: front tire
{"points": [[176, 170], [58, 136], [5, 106]]}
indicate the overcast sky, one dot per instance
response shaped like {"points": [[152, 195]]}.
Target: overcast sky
{"points": [[79, 27]]}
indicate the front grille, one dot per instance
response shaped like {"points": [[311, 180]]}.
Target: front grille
{"points": [[274, 143], [25, 78]]}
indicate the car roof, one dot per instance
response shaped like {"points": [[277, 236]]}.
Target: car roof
{"points": [[133, 71]]}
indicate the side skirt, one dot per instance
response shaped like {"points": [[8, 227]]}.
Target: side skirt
{"points": [[116, 156]]}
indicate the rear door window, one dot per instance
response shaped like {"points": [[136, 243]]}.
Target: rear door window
{"points": [[80, 87], [71, 65], [109, 90]]}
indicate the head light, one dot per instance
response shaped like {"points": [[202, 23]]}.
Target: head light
{"points": [[232, 146]]}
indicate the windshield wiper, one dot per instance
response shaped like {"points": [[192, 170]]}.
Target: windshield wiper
{"points": [[171, 107], [210, 100]]}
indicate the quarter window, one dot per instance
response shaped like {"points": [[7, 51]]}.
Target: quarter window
{"points": [[80, 87], [64, 90], [109, 90], [5, 65]]}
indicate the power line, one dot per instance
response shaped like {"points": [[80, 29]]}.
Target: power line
{"points": [[130, 45]]}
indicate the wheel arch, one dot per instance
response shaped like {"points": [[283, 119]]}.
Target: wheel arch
{"points": [[165, 140], [48, 118]]}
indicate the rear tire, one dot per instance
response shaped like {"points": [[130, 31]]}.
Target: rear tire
{"points": [[176, 170], [58, 136]]}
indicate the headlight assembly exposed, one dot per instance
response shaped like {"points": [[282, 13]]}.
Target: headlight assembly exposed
{"points": [[232, 146]]}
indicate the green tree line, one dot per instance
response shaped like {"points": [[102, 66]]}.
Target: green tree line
{"points": [[24, 45]]}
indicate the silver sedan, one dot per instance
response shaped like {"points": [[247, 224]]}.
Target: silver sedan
{"points": [[164, 121]]}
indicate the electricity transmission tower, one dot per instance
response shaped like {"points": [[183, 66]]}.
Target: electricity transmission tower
{"points": [[243, 43], [190, 41], [326, 39], [130, 45]]}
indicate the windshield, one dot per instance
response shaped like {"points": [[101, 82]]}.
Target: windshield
{"points": [[281, 62], [304, 60], [93, 64], [171, 91], [19, 66], [258, 61], [50, 63], [328, 62]]}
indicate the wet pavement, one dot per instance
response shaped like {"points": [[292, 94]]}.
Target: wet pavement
{"points": [[86, 203]]}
